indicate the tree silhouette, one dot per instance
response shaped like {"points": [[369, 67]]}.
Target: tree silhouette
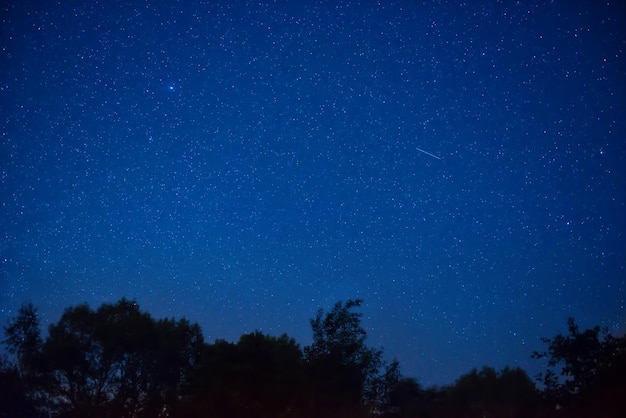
{"points": [[118, 361], [486, 392], [347, 375], [99, 359], [23, 339], [115, 361], [259, 376], [173, 359], [24, 378], [584, 367], [580, 355], [15, 395], [405, 398]]}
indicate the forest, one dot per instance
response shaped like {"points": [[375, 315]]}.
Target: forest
{"points": [[119, 361]]}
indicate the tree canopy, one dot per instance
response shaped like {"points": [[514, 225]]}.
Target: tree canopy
{"points": [[340, 361], [584, 366], [119, 361], [114, 361]]}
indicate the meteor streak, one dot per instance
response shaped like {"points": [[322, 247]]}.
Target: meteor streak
{"points": [[428, 153]]}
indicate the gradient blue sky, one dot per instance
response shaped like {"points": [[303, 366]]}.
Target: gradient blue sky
{"points": [[243, 164]]}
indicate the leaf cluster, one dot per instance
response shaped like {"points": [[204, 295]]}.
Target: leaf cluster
{"points": [[576, 360]]}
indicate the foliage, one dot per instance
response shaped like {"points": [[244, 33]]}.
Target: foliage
{"points": [[486, 392], [584, 368], [115, 361], [345, 373], [405, 398], [580, 355], [118, 361], [15, 396], [259, 376], [23, 338], [23, 379]]}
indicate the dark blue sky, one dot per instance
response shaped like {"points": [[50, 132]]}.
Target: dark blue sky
{"points": [[460, 166]]}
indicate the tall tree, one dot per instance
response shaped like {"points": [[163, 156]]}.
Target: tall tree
{"points": [[23, 338], [347, 374], [23, 380]]}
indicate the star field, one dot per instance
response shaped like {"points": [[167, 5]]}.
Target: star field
{"points": [[459, 166]]}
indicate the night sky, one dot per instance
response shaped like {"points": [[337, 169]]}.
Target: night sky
{"points": [[460, 166]]}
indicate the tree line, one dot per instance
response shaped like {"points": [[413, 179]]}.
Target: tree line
{"points": [[119, 361]]}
